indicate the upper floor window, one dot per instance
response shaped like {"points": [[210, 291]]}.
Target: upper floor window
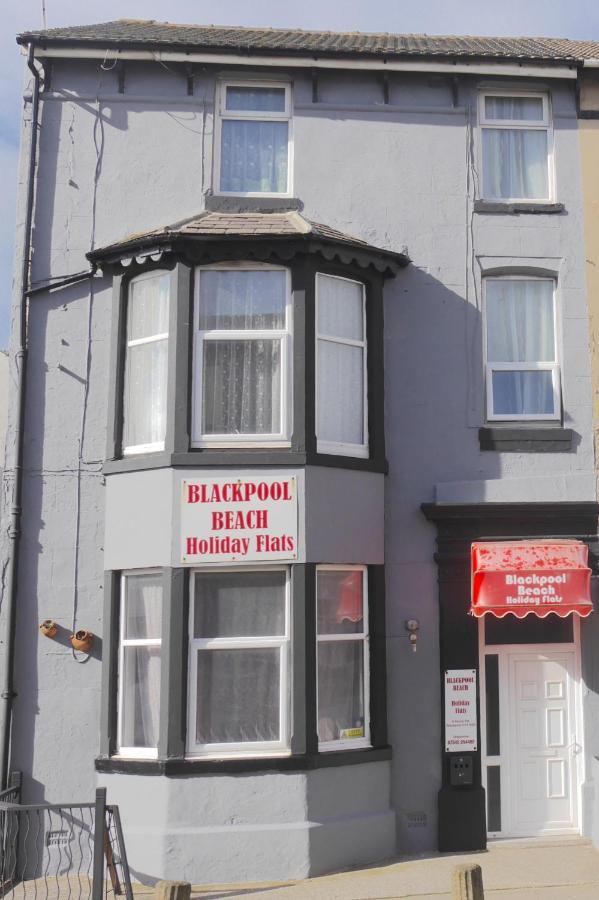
{"points": [[139, 664], [144, 401], [523, 377], [515, 147], [242, 356], [341, 376], [253, 139]]}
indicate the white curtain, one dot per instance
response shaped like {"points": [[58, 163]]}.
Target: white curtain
{"points": [[515, 160], [340, 366], [523, 393], [141, 676], [241, 378], [520, 329], [144, 414], [253, 156], [238, 688], [515, 164]]}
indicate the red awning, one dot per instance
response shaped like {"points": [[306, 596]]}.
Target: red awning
{"points": [[524, 577]]}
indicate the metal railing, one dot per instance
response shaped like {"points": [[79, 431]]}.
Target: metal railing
{"points": [[52, 851]]}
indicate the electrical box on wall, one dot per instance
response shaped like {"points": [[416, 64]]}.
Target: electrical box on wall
{"points": [[460, 770]]}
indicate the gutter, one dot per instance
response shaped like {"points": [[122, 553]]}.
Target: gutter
{"points": [[527, 69], [7, 693]]}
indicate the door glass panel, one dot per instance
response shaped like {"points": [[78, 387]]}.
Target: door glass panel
{"points": [[492, 698], [493, 798], [530, 630]]}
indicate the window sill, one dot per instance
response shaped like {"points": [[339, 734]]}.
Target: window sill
{"points": [[238, 203], [282, 456], [516, 207], [526, 439], [298, 763]]}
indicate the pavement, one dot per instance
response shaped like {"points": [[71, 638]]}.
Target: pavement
{"points": [[551, 869], [557, 869]]}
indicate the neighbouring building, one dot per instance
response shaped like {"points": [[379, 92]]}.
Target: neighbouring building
{"points": [[307, 443]]}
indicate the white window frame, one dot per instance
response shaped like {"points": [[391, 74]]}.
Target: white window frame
{"points": [[364, 636], [513, 125], [339, 448], [222, 114], [281, 438], [283, 642], [134, 449], [132, 752], [553, 367]]}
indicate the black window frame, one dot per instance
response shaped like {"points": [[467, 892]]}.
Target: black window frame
{"points": [[304, 750], [303, 443]]}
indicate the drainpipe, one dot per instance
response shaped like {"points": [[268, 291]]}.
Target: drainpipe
{"points": [[7, 693]]}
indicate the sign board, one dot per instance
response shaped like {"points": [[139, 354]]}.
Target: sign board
{"points": [[460, 710], [523, 577], [234, 519]]}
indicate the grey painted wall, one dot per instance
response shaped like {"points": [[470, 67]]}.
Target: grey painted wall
{"points": [[394, 175]]}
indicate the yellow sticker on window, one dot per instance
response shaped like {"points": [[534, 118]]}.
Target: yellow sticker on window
{"points": [[351, 732]]}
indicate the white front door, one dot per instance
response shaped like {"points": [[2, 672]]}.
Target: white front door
{"points": [[539, 721]]}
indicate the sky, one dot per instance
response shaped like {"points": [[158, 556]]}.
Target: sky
{"points": [[540, 18]]}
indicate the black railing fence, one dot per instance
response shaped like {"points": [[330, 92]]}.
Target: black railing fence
{"points": [[62, 851]]}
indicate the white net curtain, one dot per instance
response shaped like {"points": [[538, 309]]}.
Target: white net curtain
{"points": [[253, 153], [238, 687], [241, 375]]}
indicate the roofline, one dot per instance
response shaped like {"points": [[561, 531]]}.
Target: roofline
{"points": [[455, 65]]}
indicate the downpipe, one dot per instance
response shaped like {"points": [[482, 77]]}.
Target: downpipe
{"points": [[7, 693]]}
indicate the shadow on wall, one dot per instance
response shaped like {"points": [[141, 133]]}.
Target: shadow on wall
{"points": [[434, 406]]}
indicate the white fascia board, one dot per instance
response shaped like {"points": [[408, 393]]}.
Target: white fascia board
{"points": [[295, 62]]}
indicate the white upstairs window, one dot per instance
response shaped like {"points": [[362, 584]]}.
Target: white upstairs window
{"points": [[253, 139], [242, 356], [146, 363], [516, 147], [523, 375], [341, 374]]}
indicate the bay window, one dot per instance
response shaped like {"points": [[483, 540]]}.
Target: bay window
{"points": [[523, 376], [139, 664], [516, 150], [242, 355], [342, 657], [146, 362], [239, 662], [253, 138], [341, 374]]}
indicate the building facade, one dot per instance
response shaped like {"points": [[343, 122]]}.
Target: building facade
{"points": [[325, 327]]}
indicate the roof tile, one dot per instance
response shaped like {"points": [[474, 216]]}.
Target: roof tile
{"points": [[295, 41]]}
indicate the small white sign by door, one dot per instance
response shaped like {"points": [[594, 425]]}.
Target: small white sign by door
{"points": [[460, 710], [239, 519]]}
